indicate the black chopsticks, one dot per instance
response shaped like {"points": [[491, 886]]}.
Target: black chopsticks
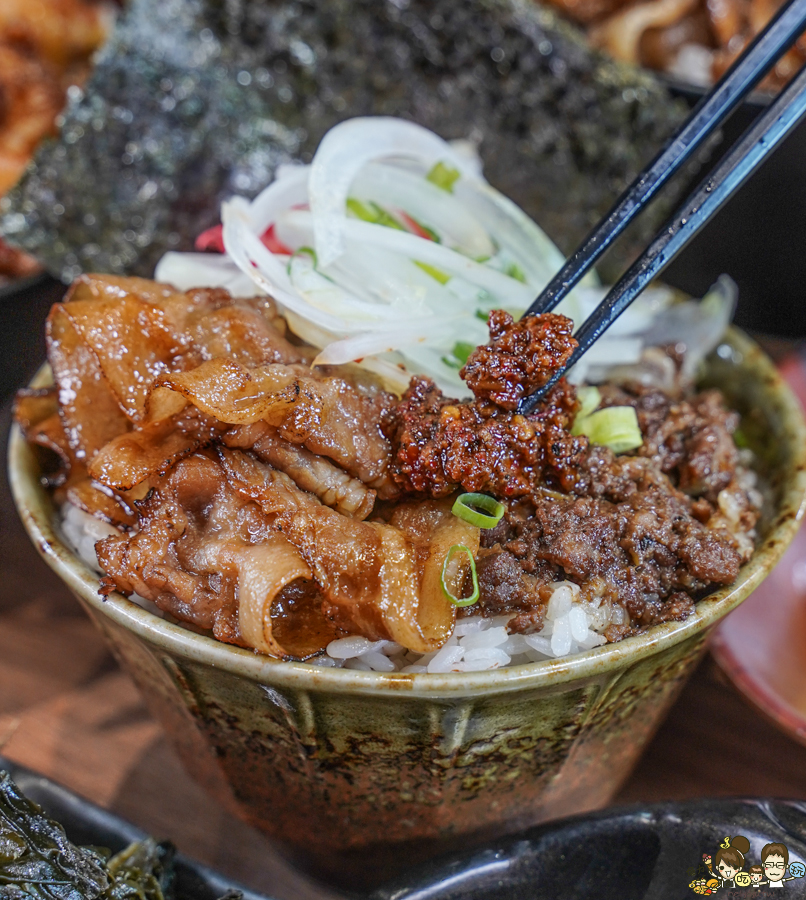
{"points": [[710, 112], [763, 136]]}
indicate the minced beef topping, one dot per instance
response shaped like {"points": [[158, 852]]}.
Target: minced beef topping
{"points": [[691, 440], [441, 444], [520, 358], [651, 531]]}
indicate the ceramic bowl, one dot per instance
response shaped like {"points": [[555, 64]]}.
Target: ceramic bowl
{"points": [[358, 774]]}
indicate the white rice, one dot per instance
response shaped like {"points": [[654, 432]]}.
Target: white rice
{"points": [[480, 643], [82, 531]]}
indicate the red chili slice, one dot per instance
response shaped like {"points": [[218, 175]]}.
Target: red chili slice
{"points": [[414, 227], [273, 243], [211, 240]]}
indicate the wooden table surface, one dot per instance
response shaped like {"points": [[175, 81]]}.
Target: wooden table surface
{"points": [[67, 711]]}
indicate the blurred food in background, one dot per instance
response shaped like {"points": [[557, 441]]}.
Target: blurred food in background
{"points": [[45, 47], [693, 40], [193, 101]]}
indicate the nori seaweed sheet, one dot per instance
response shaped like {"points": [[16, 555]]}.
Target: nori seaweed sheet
{"points": [[192, 101], [38, 861], [36, 858]]}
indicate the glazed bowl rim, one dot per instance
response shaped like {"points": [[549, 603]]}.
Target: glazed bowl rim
{"points": [[36, 511]]}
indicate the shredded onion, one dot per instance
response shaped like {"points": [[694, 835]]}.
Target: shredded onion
{"points": [[397, 286]]}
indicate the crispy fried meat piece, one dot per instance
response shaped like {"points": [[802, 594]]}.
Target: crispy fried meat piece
{"points": [[30, 99], [520, 357], [441, 444], [15, 263]]}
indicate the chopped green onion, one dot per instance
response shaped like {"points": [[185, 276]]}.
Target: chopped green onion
{"points": [[382, 217], [459, 354], [483, 314], [436, 274], [302, 251], [480, 510], [740, 439], [589, 398], [516, 272], [376, 215], [450, 569], [615, 427], [443, 176], [360, 211], [462, 350]]}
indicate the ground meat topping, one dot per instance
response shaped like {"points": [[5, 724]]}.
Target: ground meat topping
{"points": [[641, 554], [441, 444], [520, 357], [690, 440], [645, 532]]}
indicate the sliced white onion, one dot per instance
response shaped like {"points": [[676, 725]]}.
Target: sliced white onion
{"points": [[346, 149], [699, 326], [350, 349], [387, 296], [190, 270], [266, 270], [427, 204]]}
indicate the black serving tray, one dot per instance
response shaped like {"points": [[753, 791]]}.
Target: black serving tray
{"points": [[636, 853], [632, 853], [88, 824]]}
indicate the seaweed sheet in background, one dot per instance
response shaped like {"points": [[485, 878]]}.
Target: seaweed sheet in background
{"points": [[39, 862], [194, 100]]}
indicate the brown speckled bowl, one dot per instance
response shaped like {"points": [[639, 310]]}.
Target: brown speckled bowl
{"points": [[357, 774]]}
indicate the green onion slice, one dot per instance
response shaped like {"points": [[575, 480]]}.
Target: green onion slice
{"points": [[516, 272], [452, 571], [462, 350], [433, 271], [443, 176], [589, 398], [615, 427], [480, 510], [300, 252], [374, 214]]}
